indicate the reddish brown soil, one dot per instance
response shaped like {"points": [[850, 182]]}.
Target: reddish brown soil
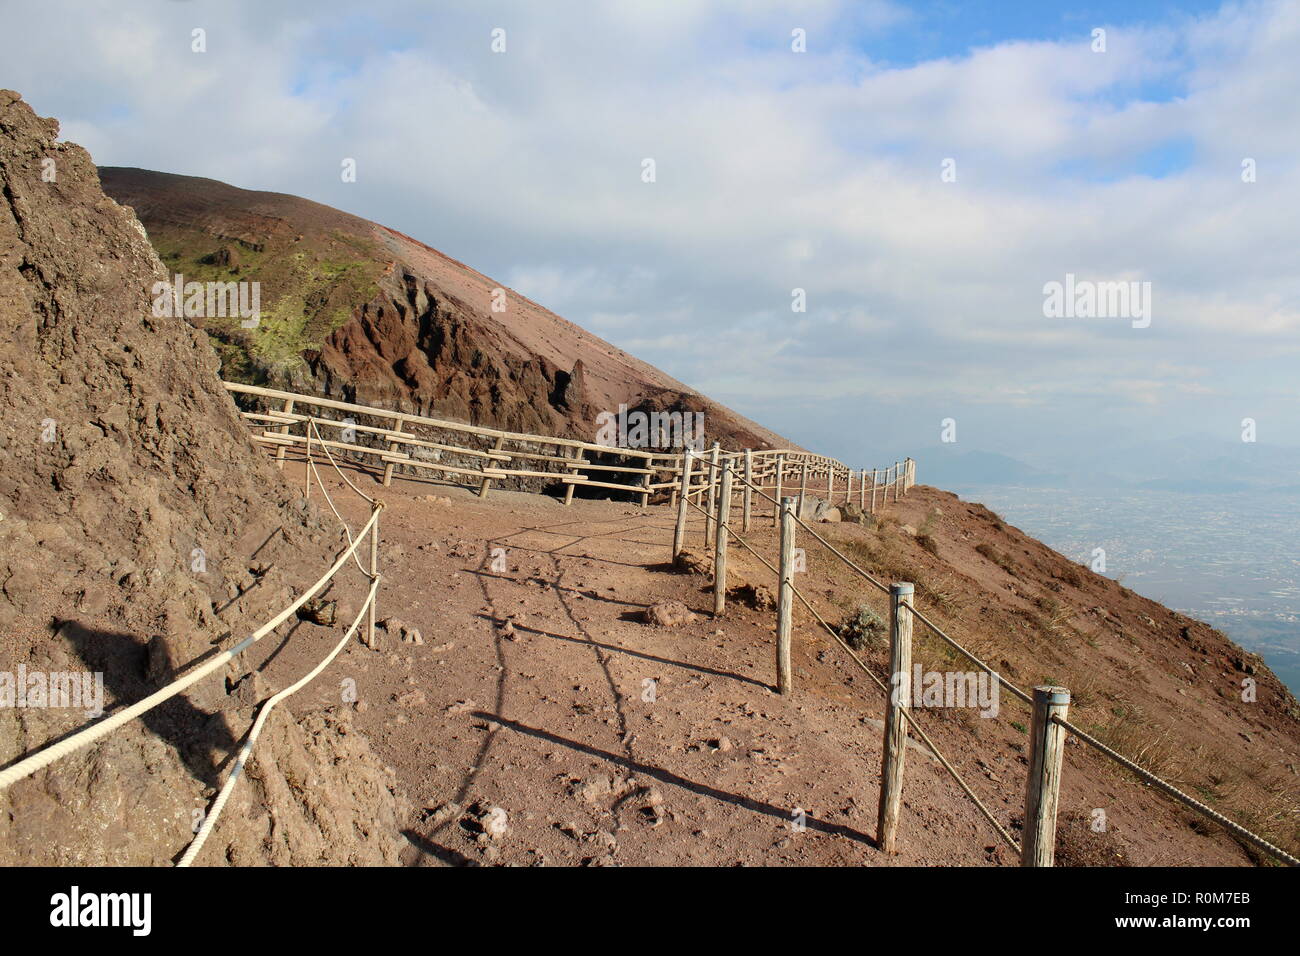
{"points": [[549, 723]]}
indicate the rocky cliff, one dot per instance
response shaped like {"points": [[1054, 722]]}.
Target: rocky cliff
{"points": [[139, 531]]}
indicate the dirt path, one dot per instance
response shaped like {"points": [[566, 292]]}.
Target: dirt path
{"points": [[538, 700]]}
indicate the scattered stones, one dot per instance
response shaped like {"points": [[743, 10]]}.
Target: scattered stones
{"points": [[592, 789], [668, 614], [399, 628], [412, 698], [690, 562], [441, 814], [758, 596], [318, 611]]}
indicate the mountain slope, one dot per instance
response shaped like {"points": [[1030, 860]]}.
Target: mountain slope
{"points": [[358, 311]]}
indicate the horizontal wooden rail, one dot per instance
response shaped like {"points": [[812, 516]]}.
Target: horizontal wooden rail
{"points": [[648, 471]]}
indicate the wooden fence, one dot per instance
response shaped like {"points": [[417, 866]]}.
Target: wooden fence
{"points": [[474, 455]]}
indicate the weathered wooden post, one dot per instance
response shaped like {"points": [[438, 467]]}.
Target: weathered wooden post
{"points": [[1042, 790], [862, 490], [393, 448], [896, 467], [749, 490], [306, 471], [720, 545], [284, 430], [785, 599], [848, 492], [900, 699], [803, 486], [711, 499], [875, 474], [483, 485], [830, 485], [780, 469], [683, 503], [645, 485], [572, 469]]}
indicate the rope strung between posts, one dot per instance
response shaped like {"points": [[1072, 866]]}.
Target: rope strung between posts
{"points": [[837, 554], [866, 670], [1177, 794], [326, 447], [738, 539], [91, 733], [1163, 785], [1001, 680], [315, 473], [741, 478], [210, 821], [907, 713]]}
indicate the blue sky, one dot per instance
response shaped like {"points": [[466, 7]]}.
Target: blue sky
{"points": [[953, 28], [779, 170]]}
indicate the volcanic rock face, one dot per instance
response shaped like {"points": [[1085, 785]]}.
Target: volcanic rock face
{"points": [[416, 350], [132, 507], [360, 312]]}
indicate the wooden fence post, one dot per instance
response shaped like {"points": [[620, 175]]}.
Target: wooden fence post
{"points": [[392, 448], [306, 471], [568, 492], [785, 599], [711, 498], [1042, 790], [284, 430], [875, 473], [749, 490], [645, 486], [483, 485], [780, 469], [862, 490], [900, 699], [830, 485], [720, 545], [848, 492], [683, 503], [803, 486]]}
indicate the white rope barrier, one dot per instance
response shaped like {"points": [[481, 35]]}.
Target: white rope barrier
{"points": [[91, 733], [246, 751]]}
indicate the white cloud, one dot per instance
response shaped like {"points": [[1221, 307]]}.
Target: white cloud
{"points": [[775, 170]]}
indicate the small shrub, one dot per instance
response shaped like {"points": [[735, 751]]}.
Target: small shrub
{"points": [[1071, 576], [996, 556], [927, 542], [865, 629]]}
